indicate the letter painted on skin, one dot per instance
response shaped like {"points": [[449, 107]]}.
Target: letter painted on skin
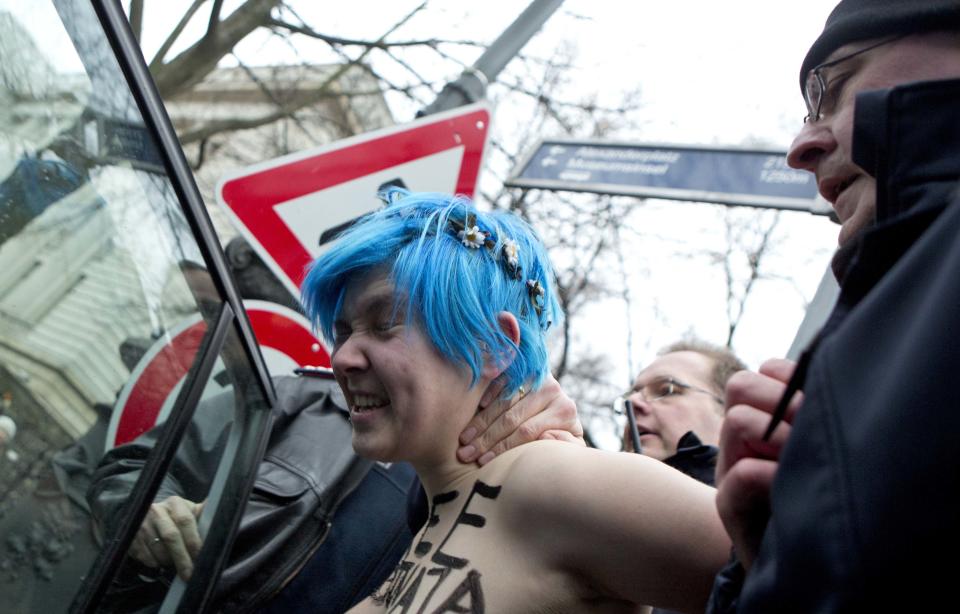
{"points": [[410, 578], [470, 586]]}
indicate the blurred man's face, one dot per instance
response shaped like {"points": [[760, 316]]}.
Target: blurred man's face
{"points": [[824, 145], [692, 406]]}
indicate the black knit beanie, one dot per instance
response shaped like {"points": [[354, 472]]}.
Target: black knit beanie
{"points": [[854, 20]]}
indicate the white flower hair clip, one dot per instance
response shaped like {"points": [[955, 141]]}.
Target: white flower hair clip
{"points": [[510, 257], [537, 293], [472, 237]]}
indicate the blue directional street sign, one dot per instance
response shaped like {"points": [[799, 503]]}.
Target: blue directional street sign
{"points": [[728, 176]]}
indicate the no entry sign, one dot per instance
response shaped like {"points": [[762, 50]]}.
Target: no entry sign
{"points": [[284, 337]]}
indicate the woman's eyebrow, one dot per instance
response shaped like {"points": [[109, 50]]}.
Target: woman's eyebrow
{"points": [[375, 304]]}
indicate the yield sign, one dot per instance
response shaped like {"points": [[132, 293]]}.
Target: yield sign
{"points": [[283, 206]]}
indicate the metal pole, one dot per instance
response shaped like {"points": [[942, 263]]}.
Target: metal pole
{"points": [[632, 421], [471, 86], [817, 312]]}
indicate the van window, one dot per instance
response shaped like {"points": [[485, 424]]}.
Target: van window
{"points": [[105, 300]]}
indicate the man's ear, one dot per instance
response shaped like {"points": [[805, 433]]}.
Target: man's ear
{"points": [[495, 365]]}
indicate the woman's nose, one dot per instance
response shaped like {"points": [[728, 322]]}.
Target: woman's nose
{"points": [[349, 356]]}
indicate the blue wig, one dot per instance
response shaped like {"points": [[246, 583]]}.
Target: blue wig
{"points": [[456, 268]]}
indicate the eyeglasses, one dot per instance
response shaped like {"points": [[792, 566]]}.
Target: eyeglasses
{"points": [[660, 389], [816, 85]]}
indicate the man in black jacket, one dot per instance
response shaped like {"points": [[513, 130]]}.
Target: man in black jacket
{"points": [[850, 504]]}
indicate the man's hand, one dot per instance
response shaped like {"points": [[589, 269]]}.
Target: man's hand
{"points": [[747, 464], [502, 424], [169, 536]]}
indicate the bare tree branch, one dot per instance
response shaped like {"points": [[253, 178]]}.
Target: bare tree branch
{"points": [[727, 260], [201, 155], [192, 65], [324, 90], [409, 91], [380, 44], [136, 18], [405, 90], [625, 291], [157, 60], [282, 112], [412, 71], [588, 108], [561, 367], [269, 94], [736, 307], [214, 18]]}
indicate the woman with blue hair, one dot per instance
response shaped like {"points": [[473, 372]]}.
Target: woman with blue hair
{"points": [[427, 302]]}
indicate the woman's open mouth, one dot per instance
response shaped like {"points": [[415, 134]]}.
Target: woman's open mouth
{"points": [[362, 403]]}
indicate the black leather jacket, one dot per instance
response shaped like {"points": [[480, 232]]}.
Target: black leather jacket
{"points": [[308, 462], [867, 495]]}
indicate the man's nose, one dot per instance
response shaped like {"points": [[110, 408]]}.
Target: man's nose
{"points": [[814, 141], [641, 406]]}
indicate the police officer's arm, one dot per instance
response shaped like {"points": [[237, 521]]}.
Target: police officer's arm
{"points": [[168, 535], [502, 424], [178, 501]]}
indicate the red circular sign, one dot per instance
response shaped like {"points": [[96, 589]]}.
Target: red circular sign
{"points": [[285, 340]]}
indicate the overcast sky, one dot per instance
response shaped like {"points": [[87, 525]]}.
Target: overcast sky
{"points": [[710, 71]]}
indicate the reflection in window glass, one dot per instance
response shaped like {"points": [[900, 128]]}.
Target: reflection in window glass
{"points": [[148, 570], [104, 298]]}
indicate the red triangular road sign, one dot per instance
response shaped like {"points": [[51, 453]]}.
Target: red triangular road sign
{"points": [[282, 206]]}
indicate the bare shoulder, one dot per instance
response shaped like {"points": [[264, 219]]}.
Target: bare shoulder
{"points": [[525, 467], [553, 474], [530, 457]]}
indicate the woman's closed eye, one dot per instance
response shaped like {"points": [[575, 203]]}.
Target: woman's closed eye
{"points": [[383, 326], [386, 320], [379, 328]]}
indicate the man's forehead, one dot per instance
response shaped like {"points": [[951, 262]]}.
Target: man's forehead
{"points": [[853, 20], [857, 53], [915, 57], [682, 365]]}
